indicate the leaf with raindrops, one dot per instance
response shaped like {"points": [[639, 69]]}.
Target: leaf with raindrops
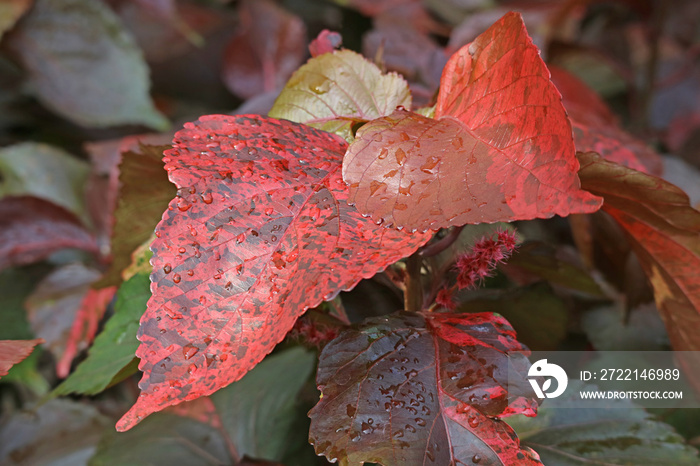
{"points": [[423, 389], [259, 232], [501, 148]]}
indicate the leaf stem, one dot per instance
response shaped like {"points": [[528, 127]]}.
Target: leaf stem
{"points": [[440, 245], [413, 295]]}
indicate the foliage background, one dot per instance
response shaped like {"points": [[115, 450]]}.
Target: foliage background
{"points": [[84, 83]]}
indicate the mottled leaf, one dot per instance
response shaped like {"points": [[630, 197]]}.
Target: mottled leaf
{"points": [[500, 150], [115, 346], [31, 229], [664, 231], [43, 171], [619, 433], [415, 389], [58, 432], [270, 46], [335, 90], [84, 65], [14, 351], [596, 128], [144, 194], [259, 232]]}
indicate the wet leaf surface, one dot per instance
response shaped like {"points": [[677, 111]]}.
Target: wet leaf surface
{"points": [[335, 90], [422, 389], [259, 232], [500, 150]]}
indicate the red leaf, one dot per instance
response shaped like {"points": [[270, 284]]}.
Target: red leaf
{"points": [[664, 231], [264, 55], [15, 351], [326, 42], [31, 229], [422, 389], [84, 328], [260, 232], [500, 150], [596, 128]]}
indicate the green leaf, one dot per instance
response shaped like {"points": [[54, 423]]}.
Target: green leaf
{"points": [[144, 194], [259, 411], [619, 433], [164, 439], [538, 316], [83, 64], [43, 171], [336, 90], [115, 346]]}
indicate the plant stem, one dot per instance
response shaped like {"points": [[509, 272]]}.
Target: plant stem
{"points": [[440, 245], [413, 295]]}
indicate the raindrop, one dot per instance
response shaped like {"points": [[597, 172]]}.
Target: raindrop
{"points": [[167, 268], [207, 198], [473, 421], [176, 278], [476, 459], [189, 350]]}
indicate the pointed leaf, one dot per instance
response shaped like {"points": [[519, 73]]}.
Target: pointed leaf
{"points": [[500, 150], [115, 346], [259, 232], [415, 389], [84, 65], [664, 231], [144, 194], [14, 351], [335, 90], [82, 332], [31, 229]]}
